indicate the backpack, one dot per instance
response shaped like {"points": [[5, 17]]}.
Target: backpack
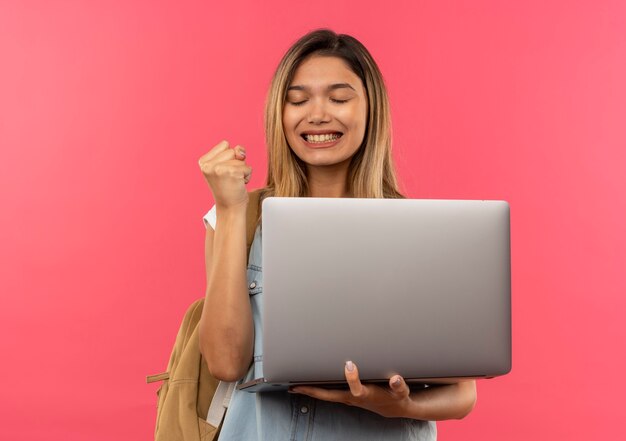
{"points": [[188, 390]]}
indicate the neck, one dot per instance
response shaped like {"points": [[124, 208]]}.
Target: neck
{"points": [[328, 182]]}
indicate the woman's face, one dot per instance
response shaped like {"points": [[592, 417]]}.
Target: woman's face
{"points": [[325, 113]]}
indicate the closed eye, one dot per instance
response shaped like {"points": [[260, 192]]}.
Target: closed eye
{"points": [[299, 103]]}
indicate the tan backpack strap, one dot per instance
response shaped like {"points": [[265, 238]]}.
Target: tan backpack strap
{"points": [[251, 217], [158, 377]]}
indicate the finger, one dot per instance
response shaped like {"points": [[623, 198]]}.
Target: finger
{"points": [[336, 396], [224, 156], [237, 152], [240, 153], [399, 387], [232, 168], [352, 376], [217, 149], [246, 176], [240, 167]]}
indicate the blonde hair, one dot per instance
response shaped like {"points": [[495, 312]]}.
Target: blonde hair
{"points": [[371, 171]]}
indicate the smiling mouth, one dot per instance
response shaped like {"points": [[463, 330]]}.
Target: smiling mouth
{"points": [[323, 138]]}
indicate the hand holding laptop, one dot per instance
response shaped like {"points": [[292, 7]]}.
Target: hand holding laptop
{"points": [[397, 400]]}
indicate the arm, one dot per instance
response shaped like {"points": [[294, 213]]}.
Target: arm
{"points": [[226, 327], [451, 401]]}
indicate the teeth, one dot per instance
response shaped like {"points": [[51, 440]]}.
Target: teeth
{"points": [[322, 138]]}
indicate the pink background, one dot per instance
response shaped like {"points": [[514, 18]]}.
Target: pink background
{"points": [[105, 108]]}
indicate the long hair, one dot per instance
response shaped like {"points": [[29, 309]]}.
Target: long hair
{"points": [[371, 171]]}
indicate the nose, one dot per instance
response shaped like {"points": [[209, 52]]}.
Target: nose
{"points": [[318, 112]]}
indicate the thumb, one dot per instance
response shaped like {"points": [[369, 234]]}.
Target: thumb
{"points": [[240, 153]]}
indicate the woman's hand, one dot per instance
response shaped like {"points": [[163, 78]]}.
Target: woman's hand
{"points": [[227, 174], [393, 401], [442, 402]]}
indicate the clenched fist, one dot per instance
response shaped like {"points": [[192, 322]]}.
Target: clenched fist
{"points": [[227, 174]]}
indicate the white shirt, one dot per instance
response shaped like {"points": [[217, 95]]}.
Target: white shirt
{"points": [[210, 218]]}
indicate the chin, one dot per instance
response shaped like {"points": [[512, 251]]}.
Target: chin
{"points": [[325, 162]]}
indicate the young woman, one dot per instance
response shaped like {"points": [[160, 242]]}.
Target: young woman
{"points": [[328, 135]]}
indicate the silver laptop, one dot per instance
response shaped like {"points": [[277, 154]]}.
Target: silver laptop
{"points": [[420, 288]]}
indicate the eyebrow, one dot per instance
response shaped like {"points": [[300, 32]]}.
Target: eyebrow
{"points": [[331, 87]]}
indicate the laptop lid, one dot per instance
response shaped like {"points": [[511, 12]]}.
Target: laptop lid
{"points": [[420, 288]]}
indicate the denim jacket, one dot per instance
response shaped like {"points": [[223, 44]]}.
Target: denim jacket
{"points": [[276, 416]]}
